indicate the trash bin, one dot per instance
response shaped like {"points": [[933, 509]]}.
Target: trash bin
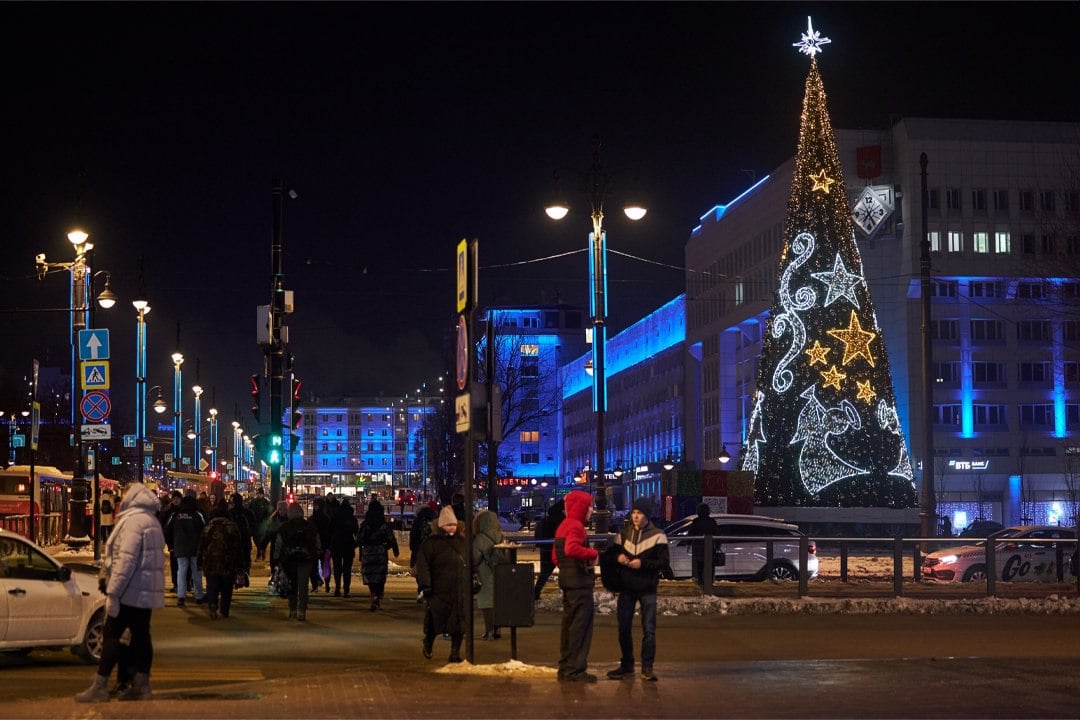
{"points": [[514, 606]]}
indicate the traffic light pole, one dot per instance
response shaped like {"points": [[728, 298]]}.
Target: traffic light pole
{"points": [[276, 349]]}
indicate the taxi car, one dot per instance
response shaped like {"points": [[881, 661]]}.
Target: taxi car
{"points": [[1018, 557], [747, 557], [45, 604]]}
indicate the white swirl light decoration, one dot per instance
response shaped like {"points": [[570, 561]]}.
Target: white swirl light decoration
{"points": [[804, 299], [752, 458], [819, 465], [888, 419]]}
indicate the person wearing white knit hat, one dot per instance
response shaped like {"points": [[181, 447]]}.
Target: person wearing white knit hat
{"points": [[443, 578]]}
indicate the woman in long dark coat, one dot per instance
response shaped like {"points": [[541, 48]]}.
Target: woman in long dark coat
{"points": [[343, 530], [443, 575], [376, 540]]}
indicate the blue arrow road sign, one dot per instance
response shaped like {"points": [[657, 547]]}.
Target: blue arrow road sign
{"points": [[94, 344]]}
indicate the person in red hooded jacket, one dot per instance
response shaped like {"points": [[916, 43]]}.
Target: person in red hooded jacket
{"points": [[575, 560]]}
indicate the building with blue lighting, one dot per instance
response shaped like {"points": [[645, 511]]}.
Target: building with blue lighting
{"points": [[646, 392], [1003, 221], [531, 343], [362, 445]]}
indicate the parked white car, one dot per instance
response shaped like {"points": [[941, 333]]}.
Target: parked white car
{"points": [[747, 557], [1017, 558], [45, 604]]}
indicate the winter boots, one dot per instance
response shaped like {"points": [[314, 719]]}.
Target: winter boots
{"points": [[97, 692], [140, 688]]}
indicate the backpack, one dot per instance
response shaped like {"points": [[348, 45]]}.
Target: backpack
{"points": [[106, 506]]}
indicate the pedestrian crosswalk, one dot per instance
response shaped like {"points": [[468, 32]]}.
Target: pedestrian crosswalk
{"points": [[213, 673]]}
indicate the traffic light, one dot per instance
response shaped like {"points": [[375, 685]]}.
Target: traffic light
{"points": [[255, 395], [273, 450], [296, 383], [297, 418]]}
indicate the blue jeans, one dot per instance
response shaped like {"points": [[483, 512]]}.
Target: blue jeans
{"points": [[182, 564], [624, 611]]}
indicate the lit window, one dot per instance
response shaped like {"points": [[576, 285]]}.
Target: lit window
{"points": [[956, 241], [530, 349], [982, 242], [740, 293], [1002, 242], [529, 436], [935, 241]]}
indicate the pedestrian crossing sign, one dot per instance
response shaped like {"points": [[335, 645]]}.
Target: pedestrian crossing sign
{"points": [[95, 375]]}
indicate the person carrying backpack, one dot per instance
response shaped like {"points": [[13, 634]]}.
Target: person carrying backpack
{"points": [[296, 548]]}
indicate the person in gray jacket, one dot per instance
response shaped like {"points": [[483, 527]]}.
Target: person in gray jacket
{"points": [[133, 580]]}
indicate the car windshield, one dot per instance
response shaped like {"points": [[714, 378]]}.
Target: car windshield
{"points": [[1000, 534]]}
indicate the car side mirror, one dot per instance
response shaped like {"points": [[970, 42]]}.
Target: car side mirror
{"points": [[64, 574]]}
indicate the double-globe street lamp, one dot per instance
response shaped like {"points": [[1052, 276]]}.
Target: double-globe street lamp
{"points": [[178, 403], [598, 186], [81, 311]]}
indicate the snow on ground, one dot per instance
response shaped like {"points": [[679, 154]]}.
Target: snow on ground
{"points": [[512, 668]]}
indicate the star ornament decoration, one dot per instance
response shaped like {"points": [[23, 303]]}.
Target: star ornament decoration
{"points": [[832, 377], [840, 283], [822, 182], [817, 353], [865, 391], [856, 341], [811, 41]]}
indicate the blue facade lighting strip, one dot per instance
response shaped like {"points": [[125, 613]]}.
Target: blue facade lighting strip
{"points": [[718, 211]]}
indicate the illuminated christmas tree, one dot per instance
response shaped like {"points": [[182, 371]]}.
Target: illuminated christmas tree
{"points": [[824, 429]]}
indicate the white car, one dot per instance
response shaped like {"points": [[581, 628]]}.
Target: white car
{"points": [[746, 557], [45, 604], [1017, 559]]}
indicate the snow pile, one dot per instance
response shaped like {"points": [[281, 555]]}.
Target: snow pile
{"points": [[511, 668], [712, 605]]}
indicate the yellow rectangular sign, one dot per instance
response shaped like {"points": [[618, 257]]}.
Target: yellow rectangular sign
{"points": [[462, 275]]}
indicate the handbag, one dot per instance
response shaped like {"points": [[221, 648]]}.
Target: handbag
{"points": [[279, 583], [477, 583], [242, 579]]}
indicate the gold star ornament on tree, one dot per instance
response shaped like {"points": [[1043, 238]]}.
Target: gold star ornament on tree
{"points": [[822, 182], [865, 391], [817, 353], [856, 340], [832, 377]]}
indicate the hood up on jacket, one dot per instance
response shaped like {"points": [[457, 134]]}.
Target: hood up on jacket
{"points": [[577, 505], [141, 498], [487, 523]]}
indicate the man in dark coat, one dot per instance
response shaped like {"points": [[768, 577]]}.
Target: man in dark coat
{"points": [[442, 572], [321, 520], [702, 525], [577, 578], [245, 523], [261, 508], [545, 530], [643, 557], [296, 547], [182, 532], [419, 532]]}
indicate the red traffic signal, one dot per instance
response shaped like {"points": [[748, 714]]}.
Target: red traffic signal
{"points": [[297, 418], [255, 396], [296, 383]]}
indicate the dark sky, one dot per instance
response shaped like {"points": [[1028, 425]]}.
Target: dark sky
{"points": [[405, 127]]}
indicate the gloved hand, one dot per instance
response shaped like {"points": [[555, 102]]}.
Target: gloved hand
{"points": [[425, 592], [112, 606], [102, 585]]}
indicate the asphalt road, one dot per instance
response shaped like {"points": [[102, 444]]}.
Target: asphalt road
{"points": [[781, 665]]}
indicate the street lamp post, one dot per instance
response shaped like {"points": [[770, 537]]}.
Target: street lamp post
{"points": [[81, 311], [196, 418], [178, 404], [597, 182], [159, 408], [238, 435], [213, 438], [142, 307]]}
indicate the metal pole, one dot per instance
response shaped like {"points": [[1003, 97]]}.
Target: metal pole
{"points": [[80, 277], [140, 391], [598, 263], [927, 500], [276, 348]]}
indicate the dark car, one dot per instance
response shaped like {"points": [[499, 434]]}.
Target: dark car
{"points": [[981, 529]]}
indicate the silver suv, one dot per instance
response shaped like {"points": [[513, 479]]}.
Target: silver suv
{"points": [[745, 558]]}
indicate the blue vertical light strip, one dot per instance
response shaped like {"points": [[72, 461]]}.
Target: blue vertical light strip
{"points": [[140, 379], [1014, 503], [1059, 379], [603, 268], [592, 278], [967, 392]]}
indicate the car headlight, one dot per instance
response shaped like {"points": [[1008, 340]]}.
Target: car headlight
{"points": [[948, 559]]}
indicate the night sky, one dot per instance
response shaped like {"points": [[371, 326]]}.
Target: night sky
{"points": [[404, 128]]}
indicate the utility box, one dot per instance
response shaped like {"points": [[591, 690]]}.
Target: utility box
{"points": [[514, 606]]}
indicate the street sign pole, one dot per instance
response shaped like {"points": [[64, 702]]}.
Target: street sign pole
{"points": [[467, 259]]}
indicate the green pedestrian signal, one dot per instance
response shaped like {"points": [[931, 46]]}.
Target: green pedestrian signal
{"points": [[273, 450]]}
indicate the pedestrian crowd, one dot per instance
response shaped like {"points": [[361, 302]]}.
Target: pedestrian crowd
{"points": [[210, 540]]}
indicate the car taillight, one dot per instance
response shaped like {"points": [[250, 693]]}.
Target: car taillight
{"points": [[811, 547]]}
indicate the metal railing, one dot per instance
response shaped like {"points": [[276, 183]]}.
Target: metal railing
{"points": [[899, 548], [49, 527]]}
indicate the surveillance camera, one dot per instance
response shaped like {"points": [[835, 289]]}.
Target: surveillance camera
{"points": [[40, 258]]}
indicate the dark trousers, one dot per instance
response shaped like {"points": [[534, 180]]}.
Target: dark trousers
{"points": [[343, 570], [219, 590], [377, 589], [577, 627], [298, 573], [546, 568], [429, 636], [141, 649], [624, 611]]}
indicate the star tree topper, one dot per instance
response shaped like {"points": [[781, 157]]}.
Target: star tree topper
{"points": [[811, 41]]}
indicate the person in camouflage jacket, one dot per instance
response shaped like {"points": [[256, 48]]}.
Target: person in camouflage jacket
{"points": [[221, 557]]}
